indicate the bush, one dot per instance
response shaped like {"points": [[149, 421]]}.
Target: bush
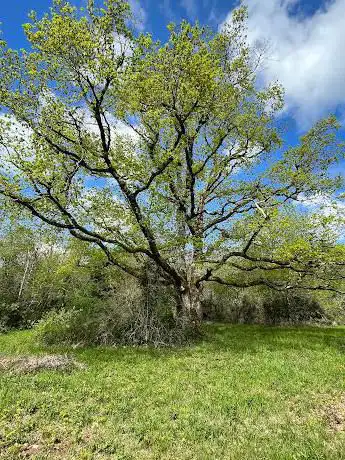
{"points": [[126, 317], [10, 316], [294, 308], [266, 306], [236, 306]]}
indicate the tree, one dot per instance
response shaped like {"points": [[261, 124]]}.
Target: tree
{"points": [[27, 261], [149, 151]]}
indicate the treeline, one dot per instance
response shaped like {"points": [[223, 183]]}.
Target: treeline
{"points": [[69, 293]]}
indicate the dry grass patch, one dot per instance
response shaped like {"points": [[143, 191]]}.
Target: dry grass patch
{"points": [[334, 413], [28, 364], [30, 450]]}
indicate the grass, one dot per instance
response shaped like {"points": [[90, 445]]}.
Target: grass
{"points": [[244, 392]]}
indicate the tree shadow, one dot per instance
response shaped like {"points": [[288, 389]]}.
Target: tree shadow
{"points": [[241, 339], [254, 338]]}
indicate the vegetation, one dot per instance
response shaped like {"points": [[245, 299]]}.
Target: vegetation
{"points": [[244, 392], [150, 206], [76, 298], [165, 154]]}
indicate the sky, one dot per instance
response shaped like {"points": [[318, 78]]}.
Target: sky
{"points": [[305, 41]]}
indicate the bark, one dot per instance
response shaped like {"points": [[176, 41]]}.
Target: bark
{"points": [[191, 308]]}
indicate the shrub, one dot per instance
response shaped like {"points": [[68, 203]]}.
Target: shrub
{"points": [[266, 306], [126, 317], [236, 306], [294, 308]]}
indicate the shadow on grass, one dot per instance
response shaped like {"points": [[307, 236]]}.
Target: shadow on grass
{"points": [[254, 338], [238, 339], [229, 338]]}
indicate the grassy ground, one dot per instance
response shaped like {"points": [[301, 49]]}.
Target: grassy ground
{"points": [[243, 393]]}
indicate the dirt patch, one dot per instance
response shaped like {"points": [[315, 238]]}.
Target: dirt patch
{"points": [[30, 450], [334, 413], [27, 364]]}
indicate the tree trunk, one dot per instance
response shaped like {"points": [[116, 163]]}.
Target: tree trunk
{"points": [[191, 309]]}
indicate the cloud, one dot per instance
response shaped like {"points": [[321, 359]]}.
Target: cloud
{"points": [[326, 206], [320, 205], [117, 127], [140, 15], [191, 8], [307, 54], [14, 136]]}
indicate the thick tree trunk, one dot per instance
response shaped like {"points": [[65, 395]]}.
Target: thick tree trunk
{"points": [[191, 308]]}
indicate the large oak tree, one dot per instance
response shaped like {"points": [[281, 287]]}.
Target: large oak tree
{"points": [[162, 152]]}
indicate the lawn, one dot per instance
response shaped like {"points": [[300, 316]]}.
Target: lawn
{"points": [[244, 392]]}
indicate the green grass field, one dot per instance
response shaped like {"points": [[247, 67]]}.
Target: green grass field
{"points": [[244, 392]]}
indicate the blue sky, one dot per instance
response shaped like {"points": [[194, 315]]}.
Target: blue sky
{"points": [[306, 44], [157, 13]]}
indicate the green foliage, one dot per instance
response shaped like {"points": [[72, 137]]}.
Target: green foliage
{"points": [[300, 249], [293, 309], [83, 301], [265, 306], [40, 272]]}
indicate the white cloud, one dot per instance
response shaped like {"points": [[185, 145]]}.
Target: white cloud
{"points": [[118, 127], [121, 129], [122, 45], [307, 54], [13, 135], [15, 138], [140, 15], [323, 204], [191, 8]]}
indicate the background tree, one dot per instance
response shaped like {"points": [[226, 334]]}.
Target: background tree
{"points": [[40, 271], [148, 151]]}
